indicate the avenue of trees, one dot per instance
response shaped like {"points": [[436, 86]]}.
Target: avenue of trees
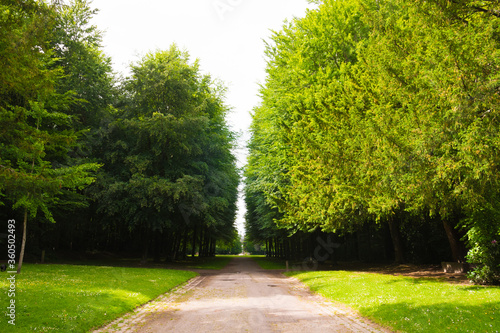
{"points": [[381, 117], [88, 162]]}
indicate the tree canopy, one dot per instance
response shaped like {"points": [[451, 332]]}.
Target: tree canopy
{"points": [[139, 163], [381, 112]]}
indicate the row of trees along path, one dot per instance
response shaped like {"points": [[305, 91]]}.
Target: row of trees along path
{"points": [[385, 114], [138, 164]]}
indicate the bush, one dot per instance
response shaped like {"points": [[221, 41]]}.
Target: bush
{"points": [[483, 237], [487, 257]]}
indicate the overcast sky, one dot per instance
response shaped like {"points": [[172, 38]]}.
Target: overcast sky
{"points": [[225, 35]]}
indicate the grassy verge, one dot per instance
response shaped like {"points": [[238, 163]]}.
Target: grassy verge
{"points": [[66, 298], [408, 304]]}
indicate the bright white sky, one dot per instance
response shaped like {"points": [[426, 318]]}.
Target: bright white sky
{"points": [[225, 35]]}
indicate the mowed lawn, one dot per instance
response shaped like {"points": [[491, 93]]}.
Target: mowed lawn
{"points": [[410, 304], [68, 298]]}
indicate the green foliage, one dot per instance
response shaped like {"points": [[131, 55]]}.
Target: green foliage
{"points": [[167, 155], [36, 135], [430, 94], [232, 246], [253, 248], [301, 134], [168, 173], [375, 109], [24, 50], [430, 98], [87, 71], [483, 237]]}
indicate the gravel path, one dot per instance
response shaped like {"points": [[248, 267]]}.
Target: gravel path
{"points": [[241, 298]]}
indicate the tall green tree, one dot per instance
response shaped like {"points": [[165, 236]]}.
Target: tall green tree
{"points": [[169, 166], [87, 70], [381, 111], [302, 152], [432, 89], [35, 129]]}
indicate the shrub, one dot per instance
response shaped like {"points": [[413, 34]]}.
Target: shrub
{"points": [[483, 239]]}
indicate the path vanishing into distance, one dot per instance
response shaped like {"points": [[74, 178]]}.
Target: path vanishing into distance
{"points": [[242, 298]]}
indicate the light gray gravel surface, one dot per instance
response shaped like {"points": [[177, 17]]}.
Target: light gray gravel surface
{"points": [[242, 298]]}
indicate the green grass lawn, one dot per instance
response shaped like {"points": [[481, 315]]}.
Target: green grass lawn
{"points": [[409, 304], [67, 298]]}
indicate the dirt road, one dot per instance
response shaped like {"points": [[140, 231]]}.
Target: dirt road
{"points": [[242, 298]]}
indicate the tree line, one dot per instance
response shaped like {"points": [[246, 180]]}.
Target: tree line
{"points": [[381, 117], [90, 161]]}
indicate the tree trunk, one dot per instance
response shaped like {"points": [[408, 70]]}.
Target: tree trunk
{"points": [[144, 257], [276, 248], [396, 241], [212, 247], [23, 244], [457, 250], [206, 243], [157, 245], [145, 248], [193, 251], [177, 246], [202, 243], [287, 248], [184, 245], [41, 243], [168, 246]]}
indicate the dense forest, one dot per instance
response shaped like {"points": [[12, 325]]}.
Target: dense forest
{"points": [[93, 162], [377, 137]]}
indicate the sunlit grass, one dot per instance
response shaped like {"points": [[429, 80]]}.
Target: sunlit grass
{"points": [[66, 298], [408, 304]]}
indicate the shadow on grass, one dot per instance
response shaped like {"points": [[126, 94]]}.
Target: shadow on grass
{"points": [[187, 263], [76, 298], [411, 304]]}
